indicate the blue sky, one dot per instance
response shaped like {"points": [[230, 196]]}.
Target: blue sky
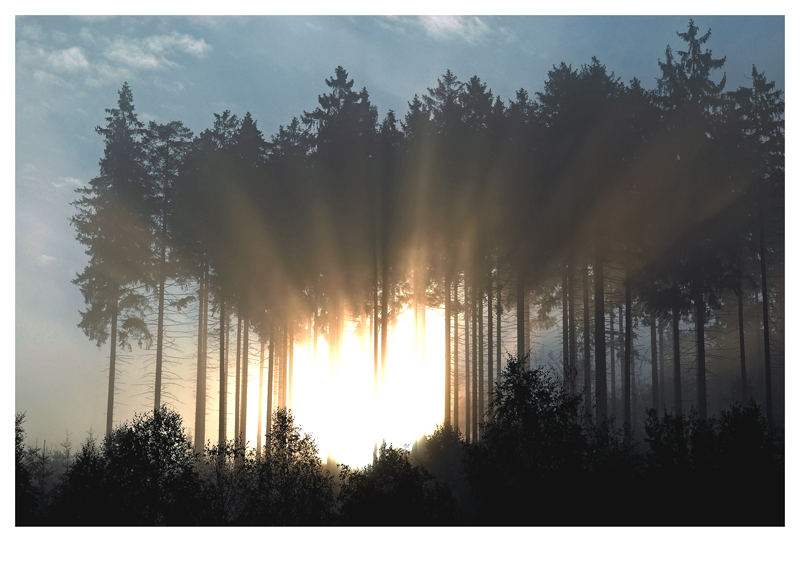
{"points": [[68, 70]]}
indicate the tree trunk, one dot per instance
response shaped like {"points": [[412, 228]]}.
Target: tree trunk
{"points": [[387, 289], [499, 325], [475, 382], [159, 337], [565, 329], [661, 377], [112, 369], [200, 395], [654, 361], [626, 388], [223, 377], [600, 343], [270, 378], [700, 313], [290, 369], [676, 360], [260, 395], [522, 347], [587, 354], [481, 378], [573, 343], [489, 341], [238, 395], [456, 342], [744, 392], [467, 370], [446, 349], [762, 255], [613, 363], [245, 364]]}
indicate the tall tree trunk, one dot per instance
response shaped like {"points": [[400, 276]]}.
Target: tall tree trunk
{"points": [[446, 349], [245, 364], [112, 369], [456, 342], [481, 379], [270, 378], [654, 361], [467, 370], [290, 372], [475, 380], [762, 255], [676, 360], [386, 292], [613, 363], [238, 395], [565, 328], [626, 388], [499, 324], [160, 334], [200, 395], [573, 341], [489, 340], [260, 395], [744, 392], [522, 347], [700, 314], [600, 343], [587, 354], [661, 377], [223, 377]]}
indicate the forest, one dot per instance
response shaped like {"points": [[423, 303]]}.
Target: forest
{"points": [[595, 208]]}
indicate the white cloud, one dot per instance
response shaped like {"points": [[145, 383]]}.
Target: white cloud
{"points": [[471, 29], [70, 60], [66, 182], [154, 52], [44, 259]]}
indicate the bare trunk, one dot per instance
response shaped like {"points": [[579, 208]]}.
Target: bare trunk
{"points": [[661, 377], [467, 370], [573, 341], [200, 395], [237, 393], [159, 340], [654, 361], [744, 392], [626, 388], [522, 351], [700, 313], [270, 377], [112, 370], [676, 360], [245, 364], [587, 354], [499, 325], [481, 378], [456, 342], [564, 329], [223, 377], [600, 343], [260, 396], [613, 363], [290, 372], [475, 380], [762, 255], [446, 349], [489, 341]]}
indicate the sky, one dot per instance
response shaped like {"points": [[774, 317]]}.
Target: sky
{"points": [[68, 70]]}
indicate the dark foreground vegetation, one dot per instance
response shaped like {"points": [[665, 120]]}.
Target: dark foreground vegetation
{"points": [[540, 463]]}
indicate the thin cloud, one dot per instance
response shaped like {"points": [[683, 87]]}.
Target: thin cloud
{"points": [[155, 52], [71, 60]]}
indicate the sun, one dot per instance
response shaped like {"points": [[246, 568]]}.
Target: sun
{"points": [[342, 408]]}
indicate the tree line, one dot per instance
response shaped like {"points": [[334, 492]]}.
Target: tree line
{"points": [[537, 463], [665, 200]]}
